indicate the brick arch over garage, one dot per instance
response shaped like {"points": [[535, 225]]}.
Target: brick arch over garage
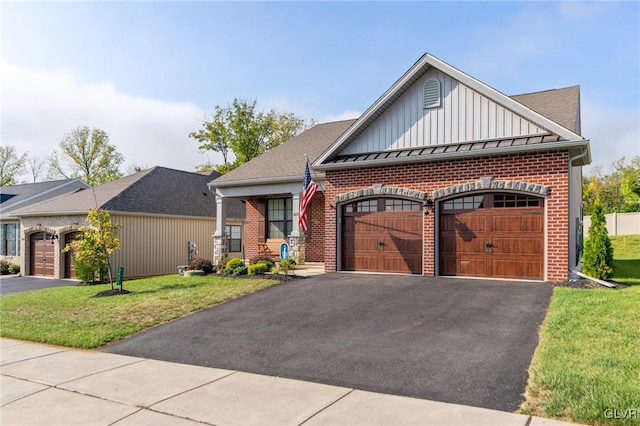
{"points": [[379, 190], [490, 184]]}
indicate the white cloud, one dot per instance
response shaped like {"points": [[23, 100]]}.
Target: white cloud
{"points": [[39, 107], [613, 132]]}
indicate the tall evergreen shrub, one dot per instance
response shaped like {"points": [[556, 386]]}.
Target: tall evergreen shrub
{"points": [[598, 251]]}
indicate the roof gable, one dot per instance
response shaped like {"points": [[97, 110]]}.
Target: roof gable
{"points": [[470, 111], [158, 190], [20, 196]]}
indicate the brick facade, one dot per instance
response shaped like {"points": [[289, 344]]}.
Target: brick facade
{"points": [[255, 219], [549, 169]]}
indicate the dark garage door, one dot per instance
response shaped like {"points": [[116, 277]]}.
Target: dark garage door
{"points": [[42, 254], [492, 235], [382, 235]]}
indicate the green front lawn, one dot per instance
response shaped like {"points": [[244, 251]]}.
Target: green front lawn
{"points": [[69, 316], [586, 368]]}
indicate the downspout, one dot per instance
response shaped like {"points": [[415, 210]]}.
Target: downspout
{"points": [[584, 153]]}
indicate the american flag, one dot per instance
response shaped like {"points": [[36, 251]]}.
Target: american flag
{"points": [[309, 188]]}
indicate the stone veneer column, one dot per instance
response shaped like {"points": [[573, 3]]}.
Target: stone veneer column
{"points": [[297, 237], [220, 236]]}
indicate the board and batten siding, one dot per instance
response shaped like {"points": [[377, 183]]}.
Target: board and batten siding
{"points": [[464, 115], [158, 245]]}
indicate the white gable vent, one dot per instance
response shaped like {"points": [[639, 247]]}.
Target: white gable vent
{"points": [[431, 93]]}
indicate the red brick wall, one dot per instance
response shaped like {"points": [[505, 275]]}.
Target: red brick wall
{"points": [[314, 248], [545, 168], [253, 217]]}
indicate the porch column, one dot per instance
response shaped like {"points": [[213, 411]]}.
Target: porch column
{"points": [[297, 237], [220, 236]]}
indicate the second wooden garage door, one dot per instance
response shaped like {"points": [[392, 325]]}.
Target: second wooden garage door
{"points": [[382, 235], [492, 235]]}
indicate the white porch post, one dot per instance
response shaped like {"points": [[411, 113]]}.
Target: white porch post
{"points": [[220, 236], [297, 238]]}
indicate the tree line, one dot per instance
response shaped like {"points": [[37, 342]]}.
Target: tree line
{"points": [[238, 131]]}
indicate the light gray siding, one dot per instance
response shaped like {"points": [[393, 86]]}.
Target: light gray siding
{"points": [[464, 115]]}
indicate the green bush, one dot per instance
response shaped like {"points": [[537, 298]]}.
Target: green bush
{"points": [[234, 263], [598, 251], [4, 267], [287, 265], [14, 268], [259, 268], [239, 270], [85, 272], [200, 264], [262, 259]]}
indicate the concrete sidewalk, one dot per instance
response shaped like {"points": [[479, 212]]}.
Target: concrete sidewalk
{"points": [[52, 385]]}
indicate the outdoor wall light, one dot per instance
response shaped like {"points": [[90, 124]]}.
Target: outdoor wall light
{"points": [[428, 204]]}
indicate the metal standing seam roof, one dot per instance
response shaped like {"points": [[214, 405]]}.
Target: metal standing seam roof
{"points": [[158, 190], [445, 149]]}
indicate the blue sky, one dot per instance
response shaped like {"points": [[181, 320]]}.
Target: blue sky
{"points": [[148, 72]]}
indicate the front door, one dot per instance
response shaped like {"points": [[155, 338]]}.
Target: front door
{"points": [[382, 235], [42, 254]]}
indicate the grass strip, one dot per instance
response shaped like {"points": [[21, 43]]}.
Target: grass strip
{"points": [[586, 368], [69, 316]]}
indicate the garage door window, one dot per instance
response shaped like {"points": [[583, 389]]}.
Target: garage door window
{"points": [[466, 203], [392, 205], [511, 200]]}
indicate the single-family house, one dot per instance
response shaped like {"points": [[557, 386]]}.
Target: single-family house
{"points": [[443, 175], [167, 217], [14, 197]]}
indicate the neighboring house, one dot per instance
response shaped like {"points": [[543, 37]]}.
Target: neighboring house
{"points": [[442, 175], [161, 211], [13, 197]]}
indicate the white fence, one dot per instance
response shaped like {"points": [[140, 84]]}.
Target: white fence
{"points": [[618, 223]]}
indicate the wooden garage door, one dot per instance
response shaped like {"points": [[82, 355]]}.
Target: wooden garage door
{"points": [[42, 254], [492, 235], [69, 265], [382, 235]]}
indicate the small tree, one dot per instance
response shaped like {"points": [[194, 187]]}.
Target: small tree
{"points": [[598, 251], [99, 241]]}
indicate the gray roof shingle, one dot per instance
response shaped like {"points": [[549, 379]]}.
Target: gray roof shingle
{"points": [[560, 105], [288, 159], [158, 190], [20, 196]]}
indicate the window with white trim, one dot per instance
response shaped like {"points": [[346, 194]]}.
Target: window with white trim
{"points": [[279, 217]]}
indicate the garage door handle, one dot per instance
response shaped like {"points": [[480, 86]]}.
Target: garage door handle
{"points": [[381, 243], [489, 244]]}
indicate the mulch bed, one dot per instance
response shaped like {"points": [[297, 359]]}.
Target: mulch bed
{"points": [[114, 292]]}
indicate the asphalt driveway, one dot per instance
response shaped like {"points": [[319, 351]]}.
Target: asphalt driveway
{"points": [[14, 284], [454, 340]]}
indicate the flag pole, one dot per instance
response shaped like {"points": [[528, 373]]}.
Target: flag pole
{"points": [[314, 174]]}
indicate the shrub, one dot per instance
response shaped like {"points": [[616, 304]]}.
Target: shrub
{"points": [[262, 259], [14, 268], [234, 263], [598, 251], [287, 265], [200, 264], [85, 271], [240, 270], [4, 267], [259, 268]]}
